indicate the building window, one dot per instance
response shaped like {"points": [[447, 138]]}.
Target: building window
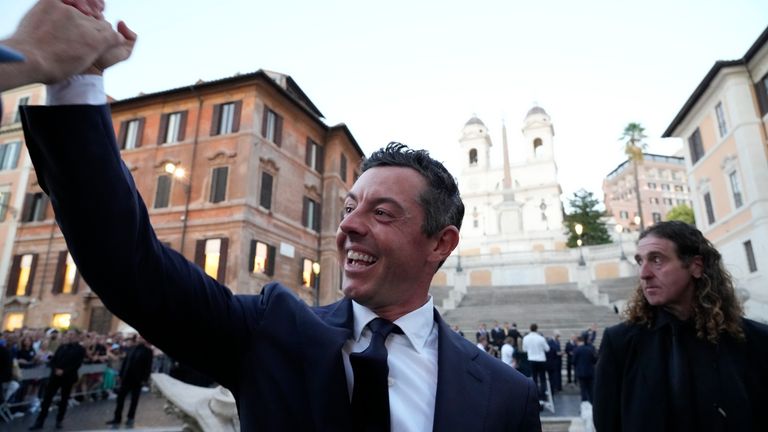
{"points": [[5, 199], [22, 275], [709, 208], [678, 188], [226, 118], [307, 275], [665, 186], [130, 134], [24, 100], [624, 214], [656, 217], [721, 126], [652, 186], [211, 256], [61, 321], [536, 146], [172, 127], [265, 196], [272, 126], [9, 155], [343, 168], [653, 200], [66, 279], [473, 157], [695, 146], [762, 94], [262, 258], [314, 156], [34, 207], [13, 321], [733, 178], [751, 262], [218, 184], [163, 191], [668, 201], [311, 214], [475, 223]]}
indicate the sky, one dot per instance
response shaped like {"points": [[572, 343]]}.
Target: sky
{"points": [[416, 71]]}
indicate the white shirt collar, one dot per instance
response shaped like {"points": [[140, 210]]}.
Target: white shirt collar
{"points": [[416, 325]]}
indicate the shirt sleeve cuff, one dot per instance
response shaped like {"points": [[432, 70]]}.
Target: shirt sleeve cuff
{"points": [[78, 90]]}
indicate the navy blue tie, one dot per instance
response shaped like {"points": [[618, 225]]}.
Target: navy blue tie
{"points": [[370, 394]]}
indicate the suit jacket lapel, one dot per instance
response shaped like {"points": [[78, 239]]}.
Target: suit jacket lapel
{"points": [[458, 376], [323, 338]]}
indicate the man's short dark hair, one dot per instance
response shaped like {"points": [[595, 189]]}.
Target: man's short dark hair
{"points": [[534, 327], [441, 200]]}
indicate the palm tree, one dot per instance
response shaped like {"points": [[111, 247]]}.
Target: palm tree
{"points": [[633, 148]]}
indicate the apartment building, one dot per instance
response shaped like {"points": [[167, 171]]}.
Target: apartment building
{"points": [[723, 125], [663, 185], [241, 175], [15, 168]]}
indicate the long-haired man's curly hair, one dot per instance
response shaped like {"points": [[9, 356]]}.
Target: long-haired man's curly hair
{"points": [[716, 309]]}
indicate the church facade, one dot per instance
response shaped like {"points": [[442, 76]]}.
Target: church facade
{"points": [[512, 205]]}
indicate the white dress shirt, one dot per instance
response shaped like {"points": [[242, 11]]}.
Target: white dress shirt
{"points": [[412, 360], [536, 347], [507, 354], [78, 90]]}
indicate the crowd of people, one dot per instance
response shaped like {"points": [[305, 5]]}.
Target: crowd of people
{"points": [[27, 354], [543, 358]]}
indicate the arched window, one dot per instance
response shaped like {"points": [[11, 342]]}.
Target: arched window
{"points": [[473, 157], [536, 144]]}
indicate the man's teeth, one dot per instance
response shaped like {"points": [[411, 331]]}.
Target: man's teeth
{"points": [[357, 256]]}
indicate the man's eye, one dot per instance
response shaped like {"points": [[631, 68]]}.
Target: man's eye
{"points": [[656, 260], [348, 209]]}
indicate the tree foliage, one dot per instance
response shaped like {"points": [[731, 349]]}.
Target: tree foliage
{"points": [[682, 213], [634, 134], [584, 211]]}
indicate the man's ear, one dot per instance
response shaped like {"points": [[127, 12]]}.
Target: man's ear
{"points": [[696, 267], [445, 242]]}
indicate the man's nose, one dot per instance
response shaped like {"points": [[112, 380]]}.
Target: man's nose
{"points": [[353, 223], [645, 271]]}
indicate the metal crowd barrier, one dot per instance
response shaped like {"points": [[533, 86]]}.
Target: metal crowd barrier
{"points": [[43, 372]]}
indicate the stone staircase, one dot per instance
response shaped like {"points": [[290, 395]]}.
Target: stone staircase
{"points": [[558, 306], [617, 289]]}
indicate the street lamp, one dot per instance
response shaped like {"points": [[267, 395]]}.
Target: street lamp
{"points": [[579, 230], [178, 172], [637, 220], [316, 271], [620, 231]]}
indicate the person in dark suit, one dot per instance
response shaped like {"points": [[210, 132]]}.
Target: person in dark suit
{"points": [[64, 365], [555, 362], [685, 359], [134, 371], [584, 359], [401, 220], [569, 347], [482, 332], [497, 335]]}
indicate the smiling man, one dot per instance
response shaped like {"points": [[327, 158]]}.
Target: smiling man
{"points": [[380, 359], [685, 359]]}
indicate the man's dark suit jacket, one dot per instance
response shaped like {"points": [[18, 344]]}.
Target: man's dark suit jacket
{"points": [[631, 381], [281, 381], [137, 364]]}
